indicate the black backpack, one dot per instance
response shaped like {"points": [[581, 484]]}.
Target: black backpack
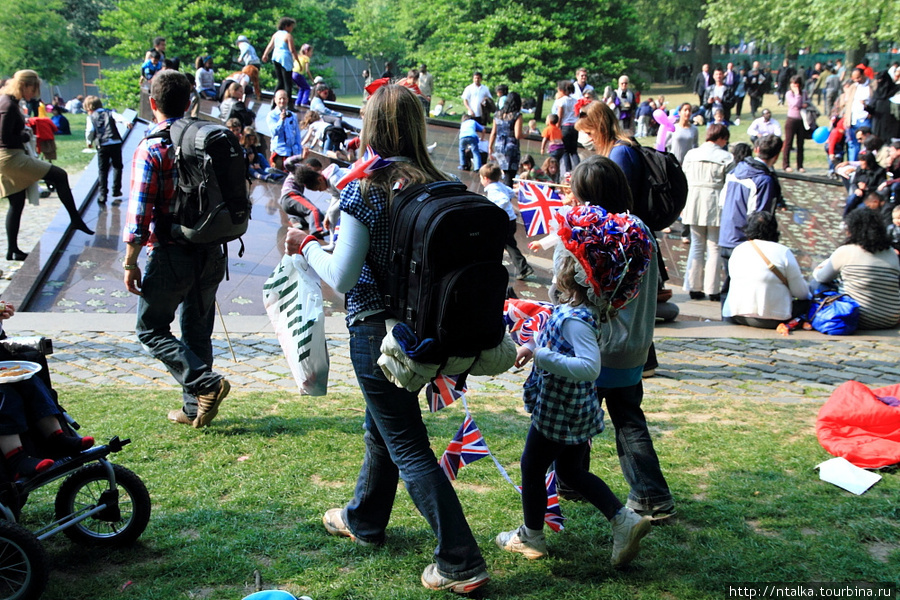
{"points": [[666, 190], [212, 204], [446, 278], [105, 129]]}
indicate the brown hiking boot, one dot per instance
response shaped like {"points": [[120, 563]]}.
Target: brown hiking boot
{"points": [[208, 403]]}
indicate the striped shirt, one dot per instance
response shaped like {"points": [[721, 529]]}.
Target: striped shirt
{"points": [[152, 168], [873, 280]]}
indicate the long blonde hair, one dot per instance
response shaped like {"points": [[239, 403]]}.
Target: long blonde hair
{"points": [[600, 119], [394, 126], [16, 85]]}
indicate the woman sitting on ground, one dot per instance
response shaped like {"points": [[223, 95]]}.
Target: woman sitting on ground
{"points": [[766, 291], [869, 270]]}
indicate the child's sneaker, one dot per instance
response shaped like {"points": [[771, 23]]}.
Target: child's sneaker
{"points": [[435, 581], [518, 541], [628, 528]]}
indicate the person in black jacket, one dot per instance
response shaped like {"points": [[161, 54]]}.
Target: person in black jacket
{"points": [[101, 128], [701, 82]]}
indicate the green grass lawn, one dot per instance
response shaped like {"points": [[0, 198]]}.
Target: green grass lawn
{"points": [[247, 495], [69, 147]]}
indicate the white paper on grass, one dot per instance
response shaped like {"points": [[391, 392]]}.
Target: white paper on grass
{"points": [[844, 474]]}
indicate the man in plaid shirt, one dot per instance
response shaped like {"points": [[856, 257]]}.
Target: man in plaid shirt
{"points": [[175, 274]]}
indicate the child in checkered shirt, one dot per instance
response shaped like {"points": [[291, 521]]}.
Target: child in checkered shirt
{"points": [[599, 265]]}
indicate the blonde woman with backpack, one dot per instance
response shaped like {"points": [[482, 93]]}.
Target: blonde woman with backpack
{"points": [[396, 439]]}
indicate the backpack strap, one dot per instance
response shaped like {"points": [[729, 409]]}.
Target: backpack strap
{"points": [[769, 264]]}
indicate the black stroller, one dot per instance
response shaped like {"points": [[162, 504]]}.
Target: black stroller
{"points": [[98, 503]]}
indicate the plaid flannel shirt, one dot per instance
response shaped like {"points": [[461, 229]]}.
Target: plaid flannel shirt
{"points": [[153, 166]]}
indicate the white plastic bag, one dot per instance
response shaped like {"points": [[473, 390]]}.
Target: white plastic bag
{"points": [[293, 299]]}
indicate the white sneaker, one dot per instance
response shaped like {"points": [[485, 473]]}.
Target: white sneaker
{"points": [[628, 528], [516, 541], [431, 147]]}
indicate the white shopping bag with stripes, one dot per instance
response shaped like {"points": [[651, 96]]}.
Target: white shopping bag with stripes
{"points": [[293, 299]]}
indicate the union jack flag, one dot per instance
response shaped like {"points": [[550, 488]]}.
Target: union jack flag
{"points": [[365, 166], [466, 447], [442, 392], [525, 318], [553, 517], [538, 205]]}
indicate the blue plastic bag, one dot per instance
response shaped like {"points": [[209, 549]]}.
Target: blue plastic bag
{"points": [[833, 313]]}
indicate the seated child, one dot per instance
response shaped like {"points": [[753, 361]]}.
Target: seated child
{"points": [[501, 195], [28, 405], [894, 229], [533, 128], [528, 171], [205, 77], [257, 165], [551, 169], [61, 122]]}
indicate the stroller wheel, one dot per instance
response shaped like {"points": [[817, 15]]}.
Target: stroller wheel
{"points": [[23, 565], [127, 509]]}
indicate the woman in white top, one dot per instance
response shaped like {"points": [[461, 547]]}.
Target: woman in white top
{"points": [[758, 297], [281, 49], [868, 268]]}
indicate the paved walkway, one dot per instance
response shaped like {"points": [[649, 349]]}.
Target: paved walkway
{"points": [[699, 357], [696, 358]]}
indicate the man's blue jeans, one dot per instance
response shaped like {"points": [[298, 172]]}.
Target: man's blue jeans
{"points": [[397, 445], [470, 141], [638, 459], [186, 276], [853, 145]]}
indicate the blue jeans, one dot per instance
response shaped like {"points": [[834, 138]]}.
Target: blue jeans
{"points": [[397, 445], [853, 145], [638, 459], [471, 142], [188, 276], [23, 403]]}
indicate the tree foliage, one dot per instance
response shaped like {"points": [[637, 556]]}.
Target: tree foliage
{"points": [[527, 45], [796, 24], [83, 18], [198, 27], [35, 36]]}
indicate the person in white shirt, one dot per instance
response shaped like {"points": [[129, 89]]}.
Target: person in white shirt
{"points": [[765, 125], [581, 85], [758, 297], [474, 94]]}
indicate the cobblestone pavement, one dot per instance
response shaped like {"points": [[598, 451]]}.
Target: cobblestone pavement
{"points": [[780, 370]]}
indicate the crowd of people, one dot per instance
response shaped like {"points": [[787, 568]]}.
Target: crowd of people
{"points": [[597, 345]]}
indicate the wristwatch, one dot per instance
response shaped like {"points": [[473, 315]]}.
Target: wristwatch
{"points": [[129, 267]]}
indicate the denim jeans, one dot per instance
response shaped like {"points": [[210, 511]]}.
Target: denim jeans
{"points": [[471, 142], [397, 445], [638, 459], [186, 276], [24, 403]]}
